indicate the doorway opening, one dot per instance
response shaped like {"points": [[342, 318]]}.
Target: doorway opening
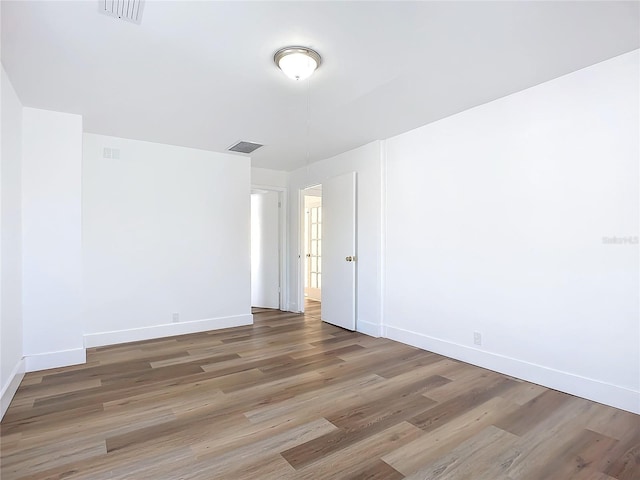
{"points": [[333, 272], [267, 248], [312, 250]]}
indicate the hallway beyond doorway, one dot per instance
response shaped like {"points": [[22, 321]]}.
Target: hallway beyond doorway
{"points": [[312, 308]]}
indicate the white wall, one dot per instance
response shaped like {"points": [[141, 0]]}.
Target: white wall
{"points": [[366, 162], [51, 232], [268, 177], [11, 363], [165, 230], [495, 224], [265, 250]]}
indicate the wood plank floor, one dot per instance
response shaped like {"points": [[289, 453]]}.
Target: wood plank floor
{"points": [[294, 398], [312, 308]]}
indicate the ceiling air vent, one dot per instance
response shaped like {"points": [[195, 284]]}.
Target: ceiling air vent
{"points": [[129, 10], [245, 147]]}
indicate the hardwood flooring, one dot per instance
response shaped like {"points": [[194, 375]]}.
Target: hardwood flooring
{"points": [[312, 308], [294, 398]]}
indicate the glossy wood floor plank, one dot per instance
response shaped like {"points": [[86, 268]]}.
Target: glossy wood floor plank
{"points": [[291, 397]]}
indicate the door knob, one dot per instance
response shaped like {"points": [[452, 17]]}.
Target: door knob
{"points": [[349, 259]]}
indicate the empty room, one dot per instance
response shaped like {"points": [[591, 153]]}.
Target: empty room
{"points": [[320, 240]]}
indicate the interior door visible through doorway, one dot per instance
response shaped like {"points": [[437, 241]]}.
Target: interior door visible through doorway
{"points": [[313, 247]]}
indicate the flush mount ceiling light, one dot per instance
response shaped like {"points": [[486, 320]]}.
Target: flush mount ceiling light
{"points": [[297, 63]]}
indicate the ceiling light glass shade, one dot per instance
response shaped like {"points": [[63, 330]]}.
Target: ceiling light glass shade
{"points": [[297, 63]]}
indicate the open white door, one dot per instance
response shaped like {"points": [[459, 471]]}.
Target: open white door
{"points": [[339, 251]]}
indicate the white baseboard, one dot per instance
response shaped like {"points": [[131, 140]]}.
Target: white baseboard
{"points": [[293, 308], [591, 389], [368, 328], [61, 358], [11, 387], [167, 330]]}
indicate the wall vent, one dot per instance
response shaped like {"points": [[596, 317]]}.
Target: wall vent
{"points": [[245, 147], [129, 10]]}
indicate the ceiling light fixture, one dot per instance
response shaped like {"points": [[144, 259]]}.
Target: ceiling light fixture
{"points": [[297, 63]]}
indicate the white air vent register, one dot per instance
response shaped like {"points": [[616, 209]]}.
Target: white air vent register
{"points": [[244, 147], [129, 10]]}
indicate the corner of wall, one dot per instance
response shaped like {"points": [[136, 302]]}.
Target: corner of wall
{"points": [[382, 265], [11, 387], [11, 316], [369, 328]]}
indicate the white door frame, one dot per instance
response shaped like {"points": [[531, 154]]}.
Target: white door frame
{"points": [[282, 240], [301, 245]]}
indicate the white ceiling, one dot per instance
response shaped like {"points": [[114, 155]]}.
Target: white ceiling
{"points": [[201, 74]]}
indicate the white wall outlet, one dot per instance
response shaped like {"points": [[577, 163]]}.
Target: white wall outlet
{"points": [[477, 338], [176, 317]]}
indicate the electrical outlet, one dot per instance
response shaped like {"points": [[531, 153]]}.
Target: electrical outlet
{"points": [[477, 338], [176, 317]]}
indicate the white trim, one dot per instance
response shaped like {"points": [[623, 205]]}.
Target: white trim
{"points": [[283, 216], [299, 236], [368, 328], [11, 387], [167, 330], [606, 393], [293, 307], [61, 358]]}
